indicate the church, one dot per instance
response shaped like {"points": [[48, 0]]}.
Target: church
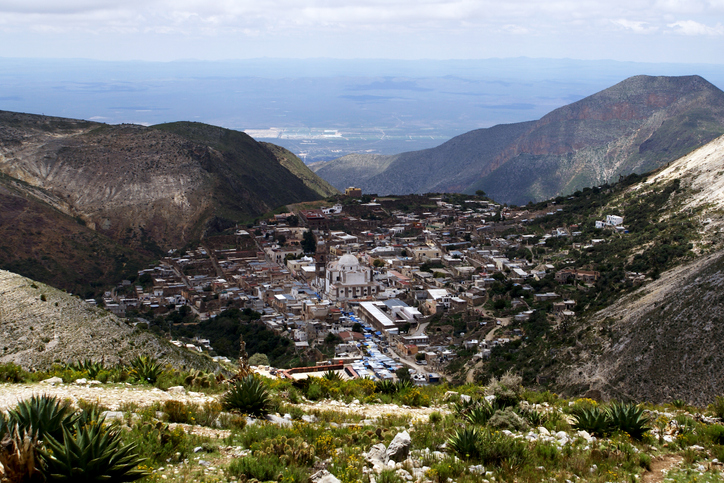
{"points": [[347, 279]]}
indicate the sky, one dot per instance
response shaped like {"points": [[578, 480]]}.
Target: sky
{"points": [[690, 31]]}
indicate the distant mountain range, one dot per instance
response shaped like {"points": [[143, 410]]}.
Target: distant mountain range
{"points": [[637, 125], [88, 201]]}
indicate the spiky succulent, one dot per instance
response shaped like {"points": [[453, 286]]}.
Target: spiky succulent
{"points": [[90, 453], [146, 369], [594, 420], [332, 376], [629, 418], [41, 416], [385, 386], [480, 413], [88, 366], [248, 395], [465, 442]]}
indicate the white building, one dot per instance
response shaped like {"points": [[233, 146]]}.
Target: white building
{"points": [[347, 279]]}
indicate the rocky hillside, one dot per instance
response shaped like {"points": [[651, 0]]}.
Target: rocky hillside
{"points": [[637, 125], [40, 325], [167, 184], [662, 342]]}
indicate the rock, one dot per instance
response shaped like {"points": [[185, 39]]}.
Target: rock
{"points": [[287, 416], [355, 401], [465, 398], [449, 395], [310, 418], [399, 448], [279, 421], [323, 476], [52, 381], [81, 382], [479, 469], [198, 449], [585, 435], [112, 415], [176, 390], [561, 435], [543, 431], [94, 383], [376, 454]]}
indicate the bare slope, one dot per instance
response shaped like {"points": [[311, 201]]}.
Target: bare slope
{"points": [[663, 341], [40, 325], [171, 183], [635, 126]]}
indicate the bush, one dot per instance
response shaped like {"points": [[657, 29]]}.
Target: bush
{"points": [[90, 453], [259, 359], [248, 396], [42, 416], [594, 420], [628, 418], [465, 442], [497, 449], [12, 373], [507, 419], [145, 369]]}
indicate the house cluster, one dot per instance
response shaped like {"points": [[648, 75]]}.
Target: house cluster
{"points": [[378, 273]]}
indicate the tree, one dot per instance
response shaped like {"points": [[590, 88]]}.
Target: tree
{"points": [[309, 242], [259, 359], [378, 263], [420, 356], [357, 327], [480, 193], [293, 220], [403, 374], [281, 239]]}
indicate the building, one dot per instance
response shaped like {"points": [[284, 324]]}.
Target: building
{"points": [[346, 279], [353, 192]]}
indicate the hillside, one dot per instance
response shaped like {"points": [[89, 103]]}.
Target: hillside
{"points": [[635, 126], [297, 167], [170, 183], [43, 243], [40, 325], [649, 327]]}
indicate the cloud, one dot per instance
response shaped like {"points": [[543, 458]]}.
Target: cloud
{"points": [[690, 27], [634, 26]]}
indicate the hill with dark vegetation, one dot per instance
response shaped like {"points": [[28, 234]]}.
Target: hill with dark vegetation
{"points": [[635, 126], [84, 201]]}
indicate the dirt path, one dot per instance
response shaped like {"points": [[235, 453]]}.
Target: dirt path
{"points": [[659, 468], [112, 397]]}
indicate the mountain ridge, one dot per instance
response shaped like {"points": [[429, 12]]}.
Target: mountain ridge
{"points": [[634, 126]]}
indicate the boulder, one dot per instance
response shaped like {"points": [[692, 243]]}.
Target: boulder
{"points": [[323, 476], [176, 390], [112, 415], [81, 382], [279, 421], [399, 448], [52, 381]]}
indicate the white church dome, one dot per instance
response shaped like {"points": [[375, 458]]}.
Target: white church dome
{"points": [[348, 261]]}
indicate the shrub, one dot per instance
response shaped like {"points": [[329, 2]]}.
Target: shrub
{"points": [[12, 373], [89, 367], [259, 359], [42, 416], [480, 413], [179, 412], [718, 407], [628, 418], [497, 449], [507, 419], [146, 369], [465, 442], [265, 468], [389, 476], [594, 420], [248, 396], [90, 453]]}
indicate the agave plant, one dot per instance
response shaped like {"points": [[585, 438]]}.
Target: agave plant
{"points": [[480, 413], [91, 453], [465, 442], [42, 416], [332, 376], [403, 385], [385, 387], [146, 369], [629, 418], [464, 406], [533, 416], [594, 420], [248, 395], [89, 367]]}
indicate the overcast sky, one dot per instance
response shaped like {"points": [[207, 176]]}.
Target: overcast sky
{"points": [[164, 30]]}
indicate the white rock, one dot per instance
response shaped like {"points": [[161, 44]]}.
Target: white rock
{"points": [[176, 390], [52, 381], [81, 382], [543, 431], [585, 435], [399, 448], [111, 415]]}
